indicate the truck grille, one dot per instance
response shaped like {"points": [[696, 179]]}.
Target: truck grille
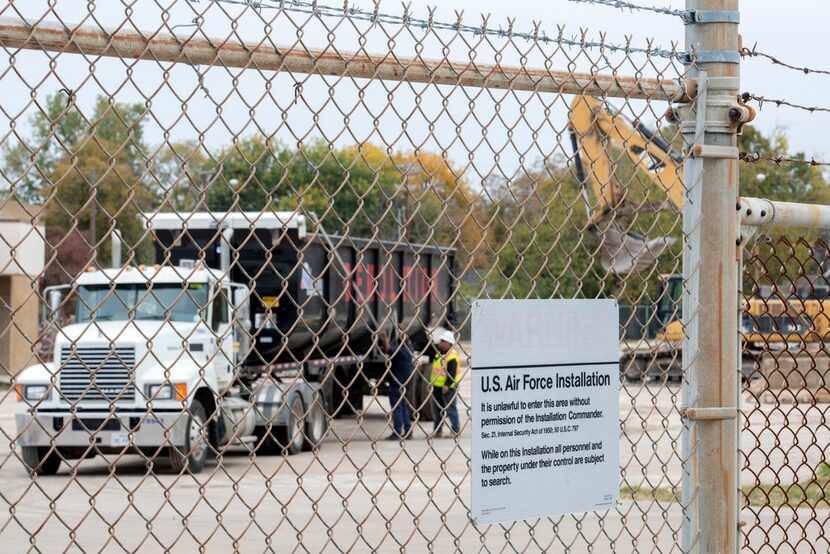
{"points": [[89, 373]]}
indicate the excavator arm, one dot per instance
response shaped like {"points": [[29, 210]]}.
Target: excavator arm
{"points": [[595, 127], [599, 135]]}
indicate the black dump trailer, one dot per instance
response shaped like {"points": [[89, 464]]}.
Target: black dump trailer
{"points": [[318, 300]]}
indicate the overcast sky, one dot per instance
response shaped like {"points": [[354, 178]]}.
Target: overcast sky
{"points": [[458, 116], [795, 31]]}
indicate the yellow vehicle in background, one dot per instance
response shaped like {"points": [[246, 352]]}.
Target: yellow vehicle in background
{"points": [[601, 136], [773, 321]]}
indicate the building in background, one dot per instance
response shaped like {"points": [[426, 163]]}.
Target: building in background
{"points": [[22, 257]]}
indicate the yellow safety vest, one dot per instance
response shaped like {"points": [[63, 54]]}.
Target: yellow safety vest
{"points": [[439, 369]]}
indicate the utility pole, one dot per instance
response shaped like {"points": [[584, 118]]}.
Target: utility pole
{"points": [[712, 254], [93, 215]]}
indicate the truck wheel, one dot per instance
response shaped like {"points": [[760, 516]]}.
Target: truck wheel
{"points": [[316, 424], [291, 437], [41, 460], [266, 444], [193, 455]]}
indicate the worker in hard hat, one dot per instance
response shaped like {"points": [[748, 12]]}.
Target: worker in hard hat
{"points": [[446, 373], [399, 350]]}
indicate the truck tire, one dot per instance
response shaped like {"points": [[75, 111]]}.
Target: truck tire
{"points": [[41, 460], [292, 437], [288, 439], [326, 392], [193, 455], [266, 445], [316, 424]]}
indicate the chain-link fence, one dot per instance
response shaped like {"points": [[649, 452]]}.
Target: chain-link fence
{"points": [[785, 477], [239, 245]]}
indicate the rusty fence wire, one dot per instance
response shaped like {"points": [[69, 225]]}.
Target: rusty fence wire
{"points": [[238, 246], [785, 477]]}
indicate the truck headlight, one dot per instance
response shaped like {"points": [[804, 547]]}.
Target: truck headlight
{"points": [[160, 392], [167, 392], [32, 393]]}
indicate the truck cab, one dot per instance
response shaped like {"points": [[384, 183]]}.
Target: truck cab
{"points": [[147, 361]]}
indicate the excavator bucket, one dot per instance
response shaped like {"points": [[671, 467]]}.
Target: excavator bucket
{"points": [[622, 252]]}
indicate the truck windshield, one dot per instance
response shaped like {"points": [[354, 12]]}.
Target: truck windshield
{"points": [[162, 301]]}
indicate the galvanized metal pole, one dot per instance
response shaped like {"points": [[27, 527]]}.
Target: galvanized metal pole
{"points": [[712, 227]]}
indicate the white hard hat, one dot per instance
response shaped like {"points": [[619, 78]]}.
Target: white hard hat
{"points": [[444, 335]]}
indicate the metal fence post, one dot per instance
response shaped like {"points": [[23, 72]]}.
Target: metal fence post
{"points": [[711, 273]]}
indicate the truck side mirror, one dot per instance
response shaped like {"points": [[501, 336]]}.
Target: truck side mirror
{"points": [[54, 298], [241, 302], [240, 297]]}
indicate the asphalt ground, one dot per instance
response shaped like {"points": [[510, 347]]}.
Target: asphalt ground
{"points": [[361, 493]]}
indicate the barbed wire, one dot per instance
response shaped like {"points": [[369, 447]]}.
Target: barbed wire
{"points": [[755, 157], [620, 4], [536, 35], [747, 96], [754, 53]]}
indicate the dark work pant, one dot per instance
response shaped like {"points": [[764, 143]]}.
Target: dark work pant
{"points": [[443, 405], [401, 422]]}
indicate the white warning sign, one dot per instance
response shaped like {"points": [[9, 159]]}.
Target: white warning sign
{"points": [[545, 399]]}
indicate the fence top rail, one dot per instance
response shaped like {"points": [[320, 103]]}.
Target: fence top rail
{"points": [[762, 212], [161, 47]]}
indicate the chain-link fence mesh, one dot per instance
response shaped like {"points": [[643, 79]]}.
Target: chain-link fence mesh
{"points": [[785, 478], [236, 231]]}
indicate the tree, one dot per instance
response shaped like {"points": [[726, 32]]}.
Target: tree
{"points": [[440, 206], [785, 255], [350, 189], [249, 175], [67, 255], [119, 194], [361, 190], [788, 182], [87, 168], [537, 239], [180, 174], [541, 245], [28, 163]]}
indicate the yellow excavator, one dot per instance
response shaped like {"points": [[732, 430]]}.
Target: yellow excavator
{"points": [[601, 136]]}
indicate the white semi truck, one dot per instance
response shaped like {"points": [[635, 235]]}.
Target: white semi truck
{"points": [[149, 364], [248, 331]]}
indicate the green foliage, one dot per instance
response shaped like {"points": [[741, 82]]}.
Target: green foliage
{"points": [[351, 189], [180, 173], [783, 260], [259, 168], [539, 239], [360, 190], [61, 130], [72, 154], [342, 186], [525, 237], [788, 182]]}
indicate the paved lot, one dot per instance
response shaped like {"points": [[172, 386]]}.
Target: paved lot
{"points": [[362, 494]]}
